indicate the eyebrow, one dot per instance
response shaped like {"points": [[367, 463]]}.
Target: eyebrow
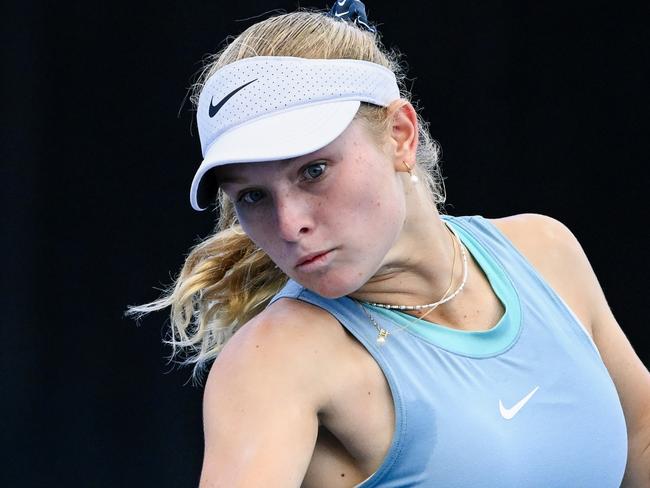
{"points": [[229, 179], [226, 179]]}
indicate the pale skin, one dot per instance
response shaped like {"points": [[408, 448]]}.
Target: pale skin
{"points": [[295, 400]]}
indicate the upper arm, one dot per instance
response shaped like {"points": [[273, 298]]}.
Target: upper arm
{"points": [[628, 373], [260, 406], [557, 254]]}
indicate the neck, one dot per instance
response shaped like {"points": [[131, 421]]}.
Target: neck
{"points": [[418, 268]]}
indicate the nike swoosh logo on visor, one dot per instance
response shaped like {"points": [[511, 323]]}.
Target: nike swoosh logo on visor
{"points": [[509, 413], [342, 2], [215, 108]]}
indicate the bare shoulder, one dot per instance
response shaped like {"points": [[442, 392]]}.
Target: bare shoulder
{"points": [[553, 250], [263, 396], [534, 232], [291, 341]]}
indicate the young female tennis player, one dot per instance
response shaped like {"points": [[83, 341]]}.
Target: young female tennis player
{"points": [[378, 342]]}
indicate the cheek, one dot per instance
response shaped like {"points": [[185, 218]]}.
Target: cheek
{"points": [[377, 198], [373, 206], [256, 229], [261, 230], [383, 223]]}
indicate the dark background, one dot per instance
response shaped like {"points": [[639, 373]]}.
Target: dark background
{"points": [[539, 107]]}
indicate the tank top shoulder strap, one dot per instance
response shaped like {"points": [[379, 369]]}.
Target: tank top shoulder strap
{"points": [[520, 269], [348, 312], [499, 245]]}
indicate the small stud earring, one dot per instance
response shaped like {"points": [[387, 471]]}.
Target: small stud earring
{"points": [[414, 177]]}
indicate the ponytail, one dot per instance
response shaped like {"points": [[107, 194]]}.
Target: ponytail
{"points": [[226, 279]]}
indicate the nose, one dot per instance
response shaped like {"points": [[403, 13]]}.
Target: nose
{"points": [[294, 218]]}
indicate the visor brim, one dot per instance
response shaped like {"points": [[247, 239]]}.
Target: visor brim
{"points": [[275, 137]]}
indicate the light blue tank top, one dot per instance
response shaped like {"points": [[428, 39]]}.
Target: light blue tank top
{"points": [[528, 403]]}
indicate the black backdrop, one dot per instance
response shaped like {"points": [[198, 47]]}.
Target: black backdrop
{"points": [[538, 108]]}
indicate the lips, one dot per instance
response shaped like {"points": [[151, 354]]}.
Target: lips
{"points": [[312, 257]]}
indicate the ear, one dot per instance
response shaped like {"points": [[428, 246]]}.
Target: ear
{"points": [[403, 134]]}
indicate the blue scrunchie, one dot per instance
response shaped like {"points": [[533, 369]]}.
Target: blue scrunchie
{"points": [[352, 10]]}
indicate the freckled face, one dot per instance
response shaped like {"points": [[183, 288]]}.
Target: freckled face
{"points": [[327, 219]]}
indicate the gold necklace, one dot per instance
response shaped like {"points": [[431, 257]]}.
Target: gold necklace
{"points": [[445, 298], [383, 333]]}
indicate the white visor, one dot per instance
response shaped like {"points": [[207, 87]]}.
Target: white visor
{"points": [[268, 108]]}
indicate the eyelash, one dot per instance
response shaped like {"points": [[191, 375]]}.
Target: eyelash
{"points": [[303, 173], [311, 165], [242, 196]]}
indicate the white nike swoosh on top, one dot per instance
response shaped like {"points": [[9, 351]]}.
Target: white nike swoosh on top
{"points": [[339, 14], [342, 2], [509, 413]]}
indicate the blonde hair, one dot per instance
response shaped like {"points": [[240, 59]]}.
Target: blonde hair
{"points": [[226, 280]]}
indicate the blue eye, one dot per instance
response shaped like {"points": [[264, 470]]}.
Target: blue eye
{"points": [[314, 171], [251, 197]]}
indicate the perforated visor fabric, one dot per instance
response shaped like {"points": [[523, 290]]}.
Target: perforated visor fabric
{"points": [[268, 108], [280, 83]]}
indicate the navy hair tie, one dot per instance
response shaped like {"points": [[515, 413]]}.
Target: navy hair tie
{"points": [[352, 10]]}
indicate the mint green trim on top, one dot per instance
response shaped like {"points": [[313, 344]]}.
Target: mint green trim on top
{"points": [[479, 344]]}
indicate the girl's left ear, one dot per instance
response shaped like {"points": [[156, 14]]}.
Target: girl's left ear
{"points": [[404, 134]]}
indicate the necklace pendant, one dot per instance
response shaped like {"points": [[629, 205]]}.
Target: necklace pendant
{"points": [[381, 338]]}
